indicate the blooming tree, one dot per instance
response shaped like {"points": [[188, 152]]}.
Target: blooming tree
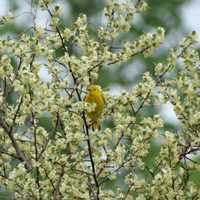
{"points": [[48, 149]]}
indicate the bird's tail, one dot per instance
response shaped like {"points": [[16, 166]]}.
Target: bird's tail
{"points": [[96, 125]]}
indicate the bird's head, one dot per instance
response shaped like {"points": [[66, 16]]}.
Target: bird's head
{"points": [[94, 88]]}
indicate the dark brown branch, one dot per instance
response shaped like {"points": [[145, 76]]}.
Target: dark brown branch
{"points": [[37, 180], [56, 195], [19, 65], [58, 122], [5, 88], [2, 151], [9, 132], [83, 114], [118, 60], [188, 150], [116, 170], [138, 3], [91, 157], [90, 149], [44, 148], [36, 158], [50, 180], [143, 101], [128, 191], [4, 125], [88, 143]]}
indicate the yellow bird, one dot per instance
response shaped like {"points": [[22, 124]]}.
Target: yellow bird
{"points": [[94, 95]]}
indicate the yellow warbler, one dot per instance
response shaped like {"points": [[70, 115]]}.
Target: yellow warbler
{"points": [[94, 95]]}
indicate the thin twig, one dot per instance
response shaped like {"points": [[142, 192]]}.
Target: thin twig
{"points": [[9, 132], [83, 114], [57, 186]]}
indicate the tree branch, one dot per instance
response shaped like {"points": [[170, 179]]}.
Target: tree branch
{"points": [[56, 194], [15, 145], [83, 114]]}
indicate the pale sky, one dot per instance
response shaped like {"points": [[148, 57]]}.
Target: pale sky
{"points": [[191, 16]]}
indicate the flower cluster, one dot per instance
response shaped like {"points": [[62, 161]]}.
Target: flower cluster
{"points": [[48, 149]]}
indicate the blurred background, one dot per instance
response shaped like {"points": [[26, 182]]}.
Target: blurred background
{"points": [[178, 17]]}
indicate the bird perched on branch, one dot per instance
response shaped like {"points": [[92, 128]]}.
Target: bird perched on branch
{"points": [[95, 95]]}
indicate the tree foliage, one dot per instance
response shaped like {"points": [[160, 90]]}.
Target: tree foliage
{"points": [[47, 147]]}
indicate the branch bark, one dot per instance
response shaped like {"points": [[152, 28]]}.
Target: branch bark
{"points": [[9, 130], [56, 195]]}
